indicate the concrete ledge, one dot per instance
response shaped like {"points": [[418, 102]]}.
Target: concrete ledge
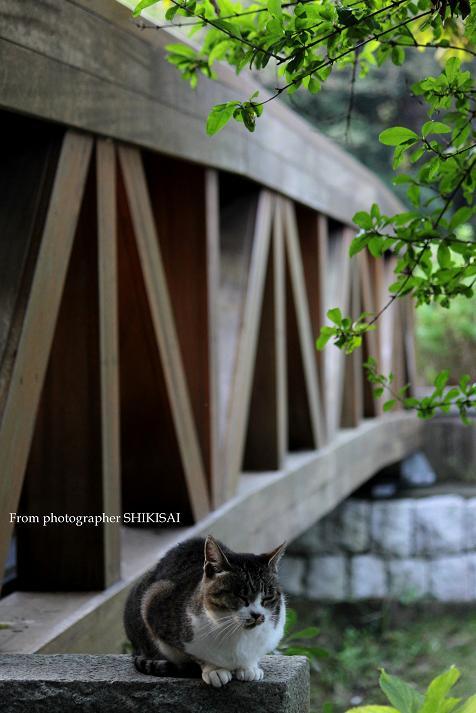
{"points": [[70, 683]]}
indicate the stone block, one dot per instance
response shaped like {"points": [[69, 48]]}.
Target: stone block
{"points": [[440, 525], [450, 578], [310, 542], [392, 527], [351, 531], [368, 577], [471, 524], [326, 578], [408, 578], [472, 576], [108, 684], [291, 574]]}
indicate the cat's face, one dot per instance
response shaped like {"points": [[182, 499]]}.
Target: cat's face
{"points": [[241, 588]]}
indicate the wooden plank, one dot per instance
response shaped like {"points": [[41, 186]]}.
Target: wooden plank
{"points": [[266, 510], [280, 307], [338, 296], [306, 337], [162, 316], [313, 238], [109, 352], [242, 382], [266, 439], [126, 90], [409, 342], [16, 427], [352, 402], [370, 289], [212, 209]]}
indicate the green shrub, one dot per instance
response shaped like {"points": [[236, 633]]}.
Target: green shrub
{"points": [[406, 699]]}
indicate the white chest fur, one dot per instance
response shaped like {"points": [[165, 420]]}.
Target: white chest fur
{"points": [[228, 648]]}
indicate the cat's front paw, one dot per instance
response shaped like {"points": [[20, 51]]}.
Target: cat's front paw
{"points": [[216, 677], [253, 673]]}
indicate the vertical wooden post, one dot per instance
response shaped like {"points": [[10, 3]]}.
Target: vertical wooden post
{"points": [[109, 351], [212, 217], [266, 439]]}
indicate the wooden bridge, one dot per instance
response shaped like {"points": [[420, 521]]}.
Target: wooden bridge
{"points": [[160, 296]]}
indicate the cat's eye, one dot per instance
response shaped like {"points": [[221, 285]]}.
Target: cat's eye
{"points": [[268, 599], [245, 601]]}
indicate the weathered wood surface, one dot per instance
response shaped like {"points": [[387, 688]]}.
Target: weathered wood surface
{"points": [[267, 509], [109, 352], [37, 331], [85, 64]]}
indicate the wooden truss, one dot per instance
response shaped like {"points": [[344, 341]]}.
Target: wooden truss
{"points": [[161, 343]]}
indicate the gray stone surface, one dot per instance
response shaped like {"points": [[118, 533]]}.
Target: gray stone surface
{"points": [[439, 525], [291, 574], [408, 578], [105, 684], [392, 527], [368, 577], [471, 523], [326, 578], [472, 576], [450, 578], [353, 526], [310, 542]]}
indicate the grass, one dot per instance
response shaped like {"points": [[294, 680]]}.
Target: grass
{"points": [[415, 642]]}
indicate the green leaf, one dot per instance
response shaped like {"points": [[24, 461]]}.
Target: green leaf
{"points": [[469, 706], [335, 315], [442, 379], [396, 135], [443, 255], [363, 220], [275, 9], [402, 696], [219, 116], [434, 127], [372, 709], [388, 405], [309, 633], [461, 216], [325, 334], [435, 697], [142, 6], [357, 245]]}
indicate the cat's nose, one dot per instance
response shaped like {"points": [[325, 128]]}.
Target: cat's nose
{"points": [[257, 617]]}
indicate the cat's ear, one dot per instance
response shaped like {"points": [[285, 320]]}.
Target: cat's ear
{"points": [[272, 558], [215, 559]]}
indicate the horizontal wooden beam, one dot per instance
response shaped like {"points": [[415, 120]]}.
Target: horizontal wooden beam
{"points": [[126, 90], [268, 508]]}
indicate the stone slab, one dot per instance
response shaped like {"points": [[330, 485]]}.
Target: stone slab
{"points": [[327, 578], [108, 684]]}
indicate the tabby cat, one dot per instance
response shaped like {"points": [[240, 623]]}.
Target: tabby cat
{"points": [[205, 604]]}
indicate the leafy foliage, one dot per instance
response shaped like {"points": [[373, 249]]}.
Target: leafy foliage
{"points": [[406, 699], [303, 42], [300, 642]]}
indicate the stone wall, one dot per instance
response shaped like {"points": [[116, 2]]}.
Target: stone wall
{"points": [[401, 548]]}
